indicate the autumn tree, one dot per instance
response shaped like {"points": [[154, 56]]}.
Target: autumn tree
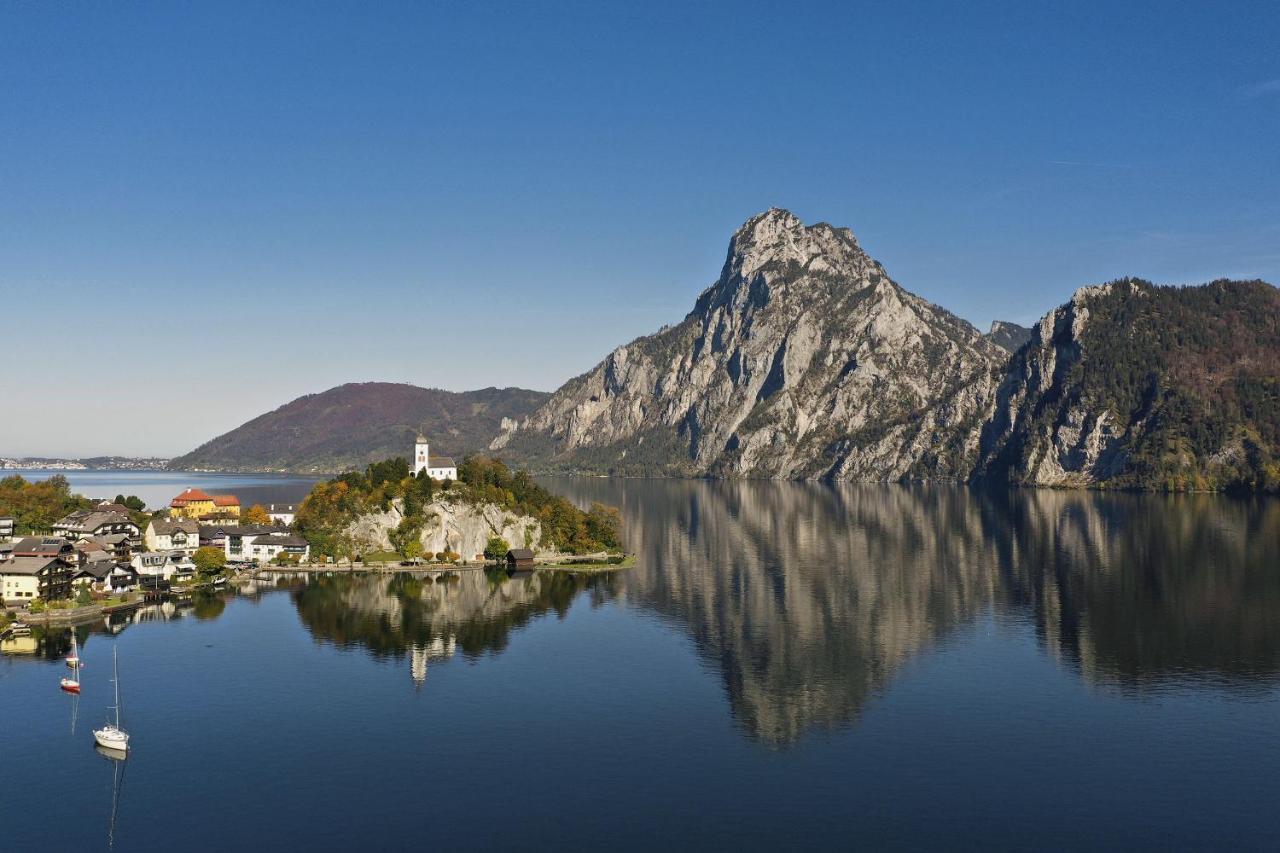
{"points": [[208, 560], [256, 514]]}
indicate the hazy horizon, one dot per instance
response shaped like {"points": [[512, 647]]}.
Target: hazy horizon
{"points": [[208, 211]]}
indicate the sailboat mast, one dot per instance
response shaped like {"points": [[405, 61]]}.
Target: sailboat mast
{"points": [[115, 665]]}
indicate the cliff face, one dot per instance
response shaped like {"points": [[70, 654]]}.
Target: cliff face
{"points": [[457, 526], [803, 360], [1139, 386]]}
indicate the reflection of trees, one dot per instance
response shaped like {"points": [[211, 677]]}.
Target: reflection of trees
{"points": [[475, 610], [1138, 589], [207, 605], [808, 598]]}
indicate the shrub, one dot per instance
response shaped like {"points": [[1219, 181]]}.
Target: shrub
{"points": [[497, 548]]}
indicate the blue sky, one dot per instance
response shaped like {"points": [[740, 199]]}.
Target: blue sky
{"points": [[468, 194]]}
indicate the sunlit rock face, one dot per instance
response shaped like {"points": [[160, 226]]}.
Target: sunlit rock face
{"points": [[457, 526], [803, 360], [1080, 447]]}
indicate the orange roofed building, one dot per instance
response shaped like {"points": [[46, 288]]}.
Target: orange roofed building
{"points": [[196, 505]]}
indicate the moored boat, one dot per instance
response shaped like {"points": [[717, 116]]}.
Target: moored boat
{"points": [[111, 736], [72, 684]]}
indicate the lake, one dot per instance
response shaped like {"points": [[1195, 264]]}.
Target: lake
{"points": [[786, 666], [157, 488]]}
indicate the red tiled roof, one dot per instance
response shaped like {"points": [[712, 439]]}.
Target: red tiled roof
{"points": [[188, 496], [226, 500]]}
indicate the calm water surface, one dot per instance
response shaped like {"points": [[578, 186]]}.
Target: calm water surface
{"points": [[786, 666], [157, 488]]}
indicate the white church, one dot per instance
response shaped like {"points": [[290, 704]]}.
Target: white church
{"points": [[437, 467]]}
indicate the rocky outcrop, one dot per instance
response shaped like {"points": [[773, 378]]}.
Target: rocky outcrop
{"points": [[1008, 336], [1077, 447], [457, 526], [803, 360], [1140, 386]]}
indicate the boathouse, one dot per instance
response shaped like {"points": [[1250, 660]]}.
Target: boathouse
{"points": [[519, 558]]}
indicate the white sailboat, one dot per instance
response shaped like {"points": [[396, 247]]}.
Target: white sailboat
{"points": [[73, 659], [111, 736], [72, 684]]}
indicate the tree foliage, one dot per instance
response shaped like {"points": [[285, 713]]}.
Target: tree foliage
{"points": [[1190, 377], [208, 560], [35, 507], [496, 548], [256, 514], [332, 506]]}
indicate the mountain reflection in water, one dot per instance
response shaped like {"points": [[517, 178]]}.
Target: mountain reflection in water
{"points": [[807, 599]]}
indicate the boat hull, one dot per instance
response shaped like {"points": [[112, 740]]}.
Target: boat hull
{"points": [[69, 686], [111, 738]]}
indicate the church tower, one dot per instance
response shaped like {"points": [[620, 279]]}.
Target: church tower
{"points": [[421, 455]]}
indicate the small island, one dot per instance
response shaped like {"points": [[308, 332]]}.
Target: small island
{"points": [[392, 513]]}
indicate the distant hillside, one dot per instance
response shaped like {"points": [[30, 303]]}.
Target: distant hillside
{"points": [[1008, 336], [352, 425]]}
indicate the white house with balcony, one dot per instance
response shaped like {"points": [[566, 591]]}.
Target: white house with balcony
{"points": [[180, 537]]}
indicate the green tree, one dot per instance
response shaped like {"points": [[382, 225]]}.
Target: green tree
{"points": [[84, 598], [208, 560], [497, 548]]}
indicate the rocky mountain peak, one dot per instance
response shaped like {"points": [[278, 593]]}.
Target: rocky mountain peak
{"points": [[777, 238], [804, 359]]}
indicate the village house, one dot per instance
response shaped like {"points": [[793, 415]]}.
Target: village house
{"points": [[196, 504], [181, 536], [6, 528], [436, 467], [237, 542], [24, 579], [153, 565], [95, 523], [282, 513], [93, 549], [96, 575], [46, 546], [265, 547]]}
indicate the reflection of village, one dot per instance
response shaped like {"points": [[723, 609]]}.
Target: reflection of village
{"points": [[53, 643]]}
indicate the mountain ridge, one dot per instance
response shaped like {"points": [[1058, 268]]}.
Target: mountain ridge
{"points": [[351, 425], [802, 330], [805, 360]]}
